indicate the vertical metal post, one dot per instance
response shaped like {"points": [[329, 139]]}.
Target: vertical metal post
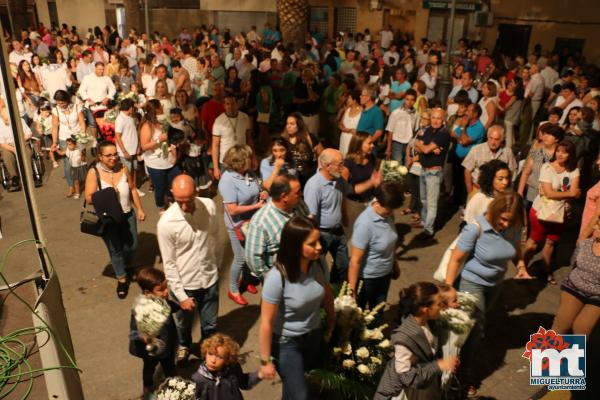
{"points": [[148, 34], [446, 81], [23, 161], [10, 20]]}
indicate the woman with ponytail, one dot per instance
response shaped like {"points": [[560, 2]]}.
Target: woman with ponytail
{"points": [[415, 370]]}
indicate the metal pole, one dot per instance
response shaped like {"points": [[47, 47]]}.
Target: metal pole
{"points": [[446, 81], [10, 20], [23, 161], [147, 21]]}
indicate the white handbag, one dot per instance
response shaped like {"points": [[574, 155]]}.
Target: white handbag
{"points": [[442, 269], [551, 210]]}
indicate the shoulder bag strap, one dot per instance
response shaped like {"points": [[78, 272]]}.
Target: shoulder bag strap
{"points": [[97, 180]]}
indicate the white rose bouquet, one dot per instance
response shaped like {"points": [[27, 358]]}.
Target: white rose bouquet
{"points": [[359, 350], [392, 170], [151, 314], [456, 324], [176, 389]]}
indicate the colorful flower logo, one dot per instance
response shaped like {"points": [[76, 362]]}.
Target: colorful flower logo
{"points": [[545, 339]]}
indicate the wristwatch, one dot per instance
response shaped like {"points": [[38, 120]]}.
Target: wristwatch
{"points": [[267, 361]]}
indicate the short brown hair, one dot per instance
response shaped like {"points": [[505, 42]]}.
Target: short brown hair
{"points": [[232, 349], [506, 202], [237, 157], [148, 278]]}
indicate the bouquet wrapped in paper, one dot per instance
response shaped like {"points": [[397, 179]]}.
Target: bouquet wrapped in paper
{"points": [[392, 170], [176, 389], [456, 326], [151, 314]]}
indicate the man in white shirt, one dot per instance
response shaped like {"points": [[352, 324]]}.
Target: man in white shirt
{"points": [[387, 37], [95, 88], [400, 127], [391, 57], [86, 66], [17, 54], [129, 51], [230, 128], [548, 73], [187, 233], [54, 77], [161, 73], [567, 100]]}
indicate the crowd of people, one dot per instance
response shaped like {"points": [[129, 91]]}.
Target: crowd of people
{"points": [[290, 138]]}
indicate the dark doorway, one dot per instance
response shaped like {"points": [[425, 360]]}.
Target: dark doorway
{"points": [[513, 40]]}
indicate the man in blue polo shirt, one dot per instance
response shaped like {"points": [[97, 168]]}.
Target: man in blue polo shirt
{"points": [[466, 84], [468, 132], [371, 119], [324, 193]]}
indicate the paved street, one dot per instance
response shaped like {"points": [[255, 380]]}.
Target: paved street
{"points": [[99, 322]]}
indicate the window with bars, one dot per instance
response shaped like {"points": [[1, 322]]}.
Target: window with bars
{"points": [[319, 17], [345, 19]]}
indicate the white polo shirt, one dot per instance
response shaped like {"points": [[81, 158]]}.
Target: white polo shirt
{"points": [[125, 125]]}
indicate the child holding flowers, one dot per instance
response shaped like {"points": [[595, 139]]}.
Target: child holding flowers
{"points": [[220, 375], [415, 370], [153, 336]]}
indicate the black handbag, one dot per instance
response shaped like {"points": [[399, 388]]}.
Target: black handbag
{"points": [[89, 222]]}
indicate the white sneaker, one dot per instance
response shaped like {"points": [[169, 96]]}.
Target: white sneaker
{"points": [[140, 193]]}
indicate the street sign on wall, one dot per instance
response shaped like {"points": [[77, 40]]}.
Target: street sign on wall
{"points": [[447, 4]]}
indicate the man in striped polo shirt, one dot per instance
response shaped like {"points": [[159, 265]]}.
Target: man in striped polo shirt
{"points": [[264, 231]]}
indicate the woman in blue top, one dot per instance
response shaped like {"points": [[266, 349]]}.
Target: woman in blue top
{"points": [[293, 294], [486, 246], [373, 246], [278, 163], [241, 198]]}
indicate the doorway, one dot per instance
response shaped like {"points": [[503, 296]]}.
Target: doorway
{"points": [[513, 40]]}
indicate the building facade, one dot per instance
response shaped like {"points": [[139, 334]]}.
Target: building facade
{"points": [[516, 25]]}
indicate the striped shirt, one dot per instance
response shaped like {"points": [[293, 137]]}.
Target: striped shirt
{"points": [[264, 234]]}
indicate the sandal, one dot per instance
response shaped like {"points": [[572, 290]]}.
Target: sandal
{"points": [[550, 279], [406, 211], [122, 289]]}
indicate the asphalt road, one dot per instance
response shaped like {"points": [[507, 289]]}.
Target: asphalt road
{"points": [[99, 321]]}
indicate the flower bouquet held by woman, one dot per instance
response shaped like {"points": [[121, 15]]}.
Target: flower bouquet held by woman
{"points": [[392, 170], [176, 389], [359, 350]]}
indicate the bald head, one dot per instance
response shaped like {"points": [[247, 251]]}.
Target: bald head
{"points": [[184, 192], [331, 163]]}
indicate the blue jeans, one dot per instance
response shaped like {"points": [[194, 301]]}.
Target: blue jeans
{"points": [[67, 167], [335, 242], [207, 304], [293, 356], [237, 263], [398, 151], [162, 180], [486, 295], [430, 192], [374, 291], [89, 117], [121, 241]]}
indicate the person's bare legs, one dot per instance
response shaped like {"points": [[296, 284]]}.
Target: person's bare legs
{"points": [[586, 320], [547, 252], [568, 311]]}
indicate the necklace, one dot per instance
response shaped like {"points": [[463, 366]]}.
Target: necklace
{"points": [[234, 127]]}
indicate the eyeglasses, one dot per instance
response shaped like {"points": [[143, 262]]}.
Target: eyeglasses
{"points": [[113, 155]]}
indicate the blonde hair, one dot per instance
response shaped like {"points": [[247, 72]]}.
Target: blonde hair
{"points": [[238, 157], [506, 202], [232, 349]]}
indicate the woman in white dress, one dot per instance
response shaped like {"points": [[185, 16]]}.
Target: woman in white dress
{"points": [[488, 104], [349, 120], [67, 120]]}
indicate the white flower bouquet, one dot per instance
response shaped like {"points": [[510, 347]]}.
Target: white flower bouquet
{"points": [[151, 313], [456, 324], [176, 389], [392, 170], [131, 95], [359, 351]]}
